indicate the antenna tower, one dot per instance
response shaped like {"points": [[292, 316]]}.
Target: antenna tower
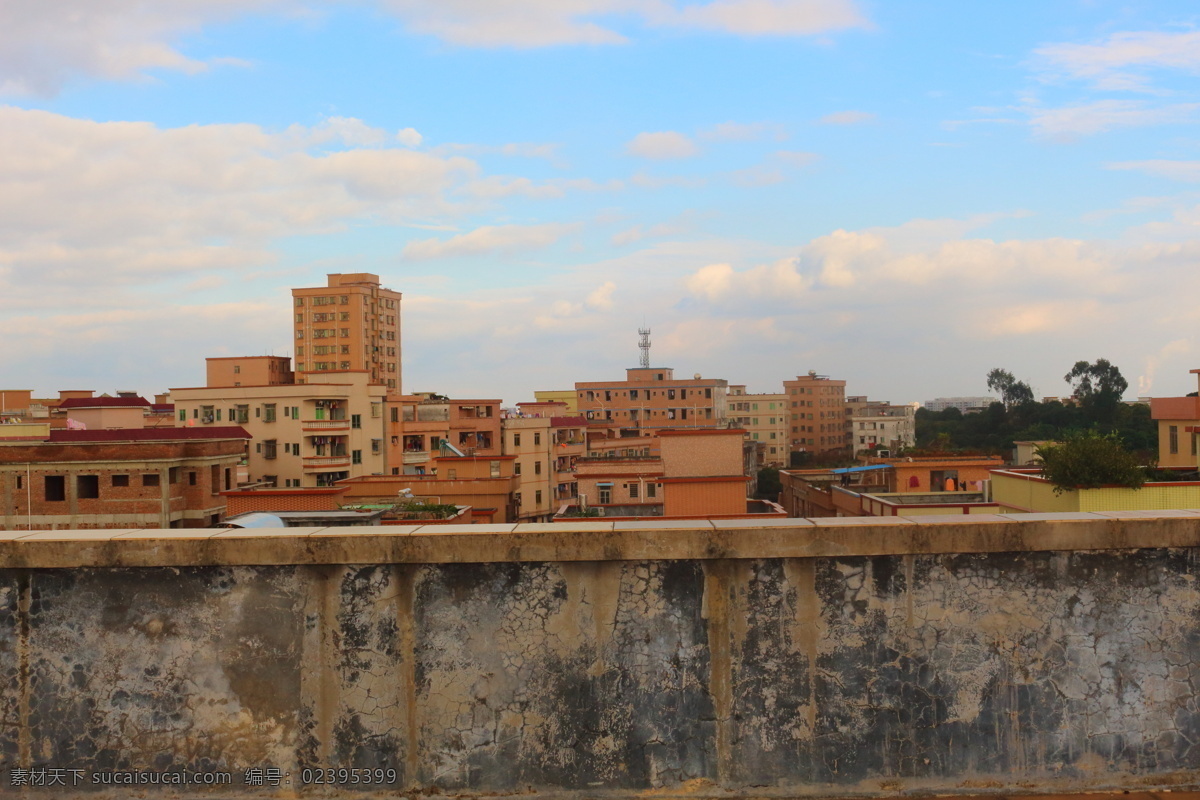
{"points": [[644, 345]]}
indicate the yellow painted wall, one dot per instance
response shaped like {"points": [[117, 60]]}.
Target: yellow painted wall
{"points": [[1037, 495]]}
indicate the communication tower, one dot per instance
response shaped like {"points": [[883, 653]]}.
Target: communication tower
{"points": [[644, 345]]}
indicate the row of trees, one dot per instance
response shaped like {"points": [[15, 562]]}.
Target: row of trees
{"points": [[1097, 390]]}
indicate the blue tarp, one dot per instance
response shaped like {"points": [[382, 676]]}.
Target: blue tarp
{"points": [[859, 469]]}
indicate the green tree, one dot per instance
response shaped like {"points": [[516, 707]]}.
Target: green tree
{"points": [[769, 486], [1012, 391], [1099, 388], [1089, 460]]}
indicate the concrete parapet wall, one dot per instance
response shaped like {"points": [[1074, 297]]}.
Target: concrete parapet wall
{"points": [[730, 659]]}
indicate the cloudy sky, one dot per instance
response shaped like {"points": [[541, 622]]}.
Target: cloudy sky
{"points": [[901, 194]]}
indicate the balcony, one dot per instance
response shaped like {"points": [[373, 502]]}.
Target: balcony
{"points": [[325, 425], [416, 456], [323, 463]]}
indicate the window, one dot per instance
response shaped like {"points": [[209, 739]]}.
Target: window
{"points": [[494, 469], [56, 488], [452, 473], [516, 440], [356, 456], [269, 448], [605, 493], [633, 394], [651, 490], [150, 479], [191, 479], [356, 420], [537, 439], [237, 369], [670, 394], [633, 491], [299, 302], [1174, 434], [516, 468], [173, 475], [87, 487], [537, 468], [537, 497], [183, 415], [268, 412], [120, 480]]}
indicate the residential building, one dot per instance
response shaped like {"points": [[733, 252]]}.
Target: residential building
{"points": [[880, 425], [963, 404], [304, 435], [422, 428], [485, 483], [1025, 490], [547, 443], [1178, 421], [566, 396], [126, 478], [249, 371], [652, 399], [817, 411], [695, 474], [107, 413], [350, 324], [765, 418]]}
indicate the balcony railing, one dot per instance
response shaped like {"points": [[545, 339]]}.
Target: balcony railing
{"points": [[325, 462], [325, 424], [416, 456]]}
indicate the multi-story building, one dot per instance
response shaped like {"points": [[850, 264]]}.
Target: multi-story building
{"points": [[694, 473], [350, 324], [485, 483], [765, 418], [249, 371], [304, 435], [124, 478], [422, 428], [880, 425], [546, 442], [963, 404], [817, 414], [1178, 420], [565, 396], [650, 399]]}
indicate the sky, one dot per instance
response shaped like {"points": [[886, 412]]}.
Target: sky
{"points": [[903, 195]]}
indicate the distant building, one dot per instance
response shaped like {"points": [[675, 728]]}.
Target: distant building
{"points": [[422, 428], [128, 478], [249, 371], [566, 396], [880, 426], [765, 418], [652, 399], [817, 407], [350, 324], [963, 404], [485, 483]]}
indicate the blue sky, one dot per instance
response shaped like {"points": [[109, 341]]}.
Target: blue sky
{"points": [[904, 195]]}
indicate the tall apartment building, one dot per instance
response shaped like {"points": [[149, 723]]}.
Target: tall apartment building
{"points": [[765, 418], [817, 414], [350, 324], [651, 398], [303, 434]]}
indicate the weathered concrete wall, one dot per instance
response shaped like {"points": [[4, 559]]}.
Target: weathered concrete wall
{"points": [[719, 672]]}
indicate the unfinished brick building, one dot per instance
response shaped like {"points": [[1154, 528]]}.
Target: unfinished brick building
{"points": [[140, 478]]}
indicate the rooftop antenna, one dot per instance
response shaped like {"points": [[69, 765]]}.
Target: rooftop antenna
{"points": [[644, 345]]}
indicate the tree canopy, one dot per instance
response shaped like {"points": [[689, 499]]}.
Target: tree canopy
{"points": [[1089, 460], [1012, 391]]}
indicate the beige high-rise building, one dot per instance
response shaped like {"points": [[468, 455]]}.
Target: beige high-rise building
{"points": [[351, 324]]}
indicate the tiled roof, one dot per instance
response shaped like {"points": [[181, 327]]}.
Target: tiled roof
{"points": [[148, 434], [104, 402]]}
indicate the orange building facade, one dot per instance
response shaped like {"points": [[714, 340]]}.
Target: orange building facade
{"points": [[249, 371], [485, 483], [817, 414], [651, 398], [351, 324], [419, 425], [1178, 420]]}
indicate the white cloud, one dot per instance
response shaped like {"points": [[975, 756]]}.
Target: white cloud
{"points": [[743, 132], [662, 145], [1171, 350], [602, 298], [1090, 118], [489, 239], [409, 137], [1163, 168], [42, 45], [1118, 63], [848, 118], [681, 224], [540, 23], [114, 202], [776, 168]]}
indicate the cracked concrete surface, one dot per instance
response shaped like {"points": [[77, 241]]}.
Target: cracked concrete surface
{"points": [[830, 675]]}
